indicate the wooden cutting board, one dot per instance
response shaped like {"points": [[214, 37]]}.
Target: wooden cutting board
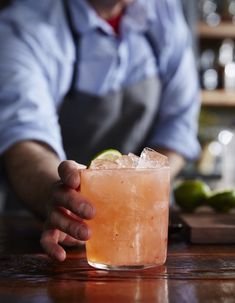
{"points": [[209, 228]]}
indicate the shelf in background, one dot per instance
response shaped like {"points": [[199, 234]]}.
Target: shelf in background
{"points": [[223, 30], [218, 98]]}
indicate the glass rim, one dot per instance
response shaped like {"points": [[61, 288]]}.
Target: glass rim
{"points": [[134, 169]]}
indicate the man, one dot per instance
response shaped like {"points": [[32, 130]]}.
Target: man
{"points": [[117, 73]]}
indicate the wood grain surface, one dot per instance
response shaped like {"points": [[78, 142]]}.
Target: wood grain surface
{"points": [[192, 273]]}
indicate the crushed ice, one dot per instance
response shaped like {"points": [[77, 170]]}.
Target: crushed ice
{"points": [[149, 158]]}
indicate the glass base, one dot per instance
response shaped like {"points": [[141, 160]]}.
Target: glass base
{"points": [[121, 267]]}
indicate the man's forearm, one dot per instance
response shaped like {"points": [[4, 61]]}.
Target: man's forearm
{"points": [[32, 170]]}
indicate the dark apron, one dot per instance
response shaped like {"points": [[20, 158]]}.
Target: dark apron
{"points": [[120, 120]]}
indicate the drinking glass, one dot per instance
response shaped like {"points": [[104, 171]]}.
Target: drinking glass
{"points": [[130, 228]]}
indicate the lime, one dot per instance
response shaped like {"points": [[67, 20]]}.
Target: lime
{"points": [[190, 194], [222, 201], [107, 154]]}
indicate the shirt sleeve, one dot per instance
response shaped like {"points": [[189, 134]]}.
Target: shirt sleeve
{"points": [[27, 106], [176, 124]]}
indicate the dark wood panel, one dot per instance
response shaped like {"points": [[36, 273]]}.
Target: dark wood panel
{"points": [[209, 228]]}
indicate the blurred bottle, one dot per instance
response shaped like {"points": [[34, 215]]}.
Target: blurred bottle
{"points": [[227, 140], [210, 11], [228, 11], [208, 70], [226, 52], [229, 77], [226, 63]]}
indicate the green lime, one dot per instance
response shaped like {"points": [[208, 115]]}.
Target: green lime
{"points": [[190, 194], [108, 154], [222, 201]]}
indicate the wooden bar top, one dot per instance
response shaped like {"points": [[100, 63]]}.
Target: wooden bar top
{"points": [[192, 273]]}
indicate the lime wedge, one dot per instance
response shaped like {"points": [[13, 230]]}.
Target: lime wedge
{"points": [[108, 154]]}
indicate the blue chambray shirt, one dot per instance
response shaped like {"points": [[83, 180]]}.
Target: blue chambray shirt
{"points": [[37, 55]]}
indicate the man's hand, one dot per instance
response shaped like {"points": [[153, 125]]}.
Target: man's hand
{"points": [[64, 224]]}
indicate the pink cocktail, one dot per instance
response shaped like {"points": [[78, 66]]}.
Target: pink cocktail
{"points": [[130, 228]]}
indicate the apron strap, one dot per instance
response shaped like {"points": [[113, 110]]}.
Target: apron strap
{"points": [[153, 44]]}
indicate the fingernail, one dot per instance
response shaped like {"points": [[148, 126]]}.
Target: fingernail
{"points": [[82, 233], [85, 210]]}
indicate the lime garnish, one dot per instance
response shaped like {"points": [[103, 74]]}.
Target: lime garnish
{"points": [[106, 155]]}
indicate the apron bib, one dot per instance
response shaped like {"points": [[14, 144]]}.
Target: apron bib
{"points": [[120, 120]]}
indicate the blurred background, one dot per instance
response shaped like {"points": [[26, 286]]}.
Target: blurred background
{"points": [[212, 26], [212, 23]]}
